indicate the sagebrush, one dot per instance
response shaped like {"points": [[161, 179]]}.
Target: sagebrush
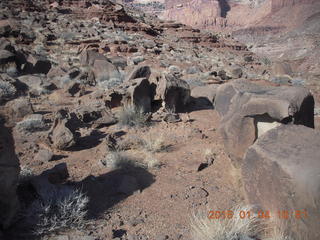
{"points": [[60, 210]]}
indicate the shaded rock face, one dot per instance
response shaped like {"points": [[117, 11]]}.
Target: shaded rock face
{"points": [[135, 92], [278, 175], [174, 92], [9, 173], [248, 110]]}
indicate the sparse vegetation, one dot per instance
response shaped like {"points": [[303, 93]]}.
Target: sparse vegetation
{"points": [[154, 143], [61, 210], [132, 117], [119, 160], [237, 228], [25, 174], [151, 161], [209, 155], [234, 228], [7, 90]]}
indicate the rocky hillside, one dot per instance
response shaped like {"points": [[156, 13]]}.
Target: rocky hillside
{"points": [[118, 125], [279, 30]]}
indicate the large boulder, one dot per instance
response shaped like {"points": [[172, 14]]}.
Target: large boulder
{"points": [[95, 113], [62, 137], [248, 110], [88, 57], [207, 92], [136, 92], [9, 174], [174, 92], [139, 72], [37, 64], [19, 108], [281, 171], [105, 72]]}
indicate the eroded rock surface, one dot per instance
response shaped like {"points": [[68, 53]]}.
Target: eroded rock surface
{"points": [[248, 109], [281, 170]]}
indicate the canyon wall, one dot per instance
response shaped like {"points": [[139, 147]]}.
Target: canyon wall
{"points": [[237, 14]]}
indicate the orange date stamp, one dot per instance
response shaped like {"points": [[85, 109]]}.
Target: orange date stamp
{"points": [[262, 214]]}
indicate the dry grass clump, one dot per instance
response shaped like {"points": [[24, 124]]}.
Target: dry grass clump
{"points": [[209, 156], [151, 161], [132, 117], [154, 143], [59, 211], [234, 228], [237, 228], [119, 160]]}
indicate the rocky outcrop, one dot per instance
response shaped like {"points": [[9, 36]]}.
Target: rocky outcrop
{"points": [[232, 14], [134, 92], [248, 110], [281, 171], [9, 174], [278, 4], [174, 92]]}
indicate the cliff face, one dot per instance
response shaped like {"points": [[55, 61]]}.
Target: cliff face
{"points": [[278, 4], [237, 14]]}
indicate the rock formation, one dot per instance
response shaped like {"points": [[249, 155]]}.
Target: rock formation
{"points": [[278, 175], [249, 110]]}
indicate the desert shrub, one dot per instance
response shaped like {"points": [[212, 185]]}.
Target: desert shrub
{"points": [[60, 210], [237, 228], [25, 174], [32, 123], [151, 161], [119, 160], [234, 228], [154, 143], [209, 155], [7, 91], [266, 61], [132, 117], [111, 83]]}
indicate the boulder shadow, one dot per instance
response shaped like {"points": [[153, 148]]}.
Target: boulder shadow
{"points": [[200, 103], [87, 142], [106, 190]]}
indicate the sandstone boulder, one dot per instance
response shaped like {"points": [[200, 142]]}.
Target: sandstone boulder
{"points": [[281, 171], [88, 57], [62, 137], [248, 110], [9, 174], [104, 71], [206, 92], [139, 72], [37, 64], [140, 94], [174, 92], [19, 108], [95, 113], [137, 92]]}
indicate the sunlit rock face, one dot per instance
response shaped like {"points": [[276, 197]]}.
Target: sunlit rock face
{"points": [[230, 14]]}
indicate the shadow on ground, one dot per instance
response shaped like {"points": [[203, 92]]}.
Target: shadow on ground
{"points": [[104, 192]]}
